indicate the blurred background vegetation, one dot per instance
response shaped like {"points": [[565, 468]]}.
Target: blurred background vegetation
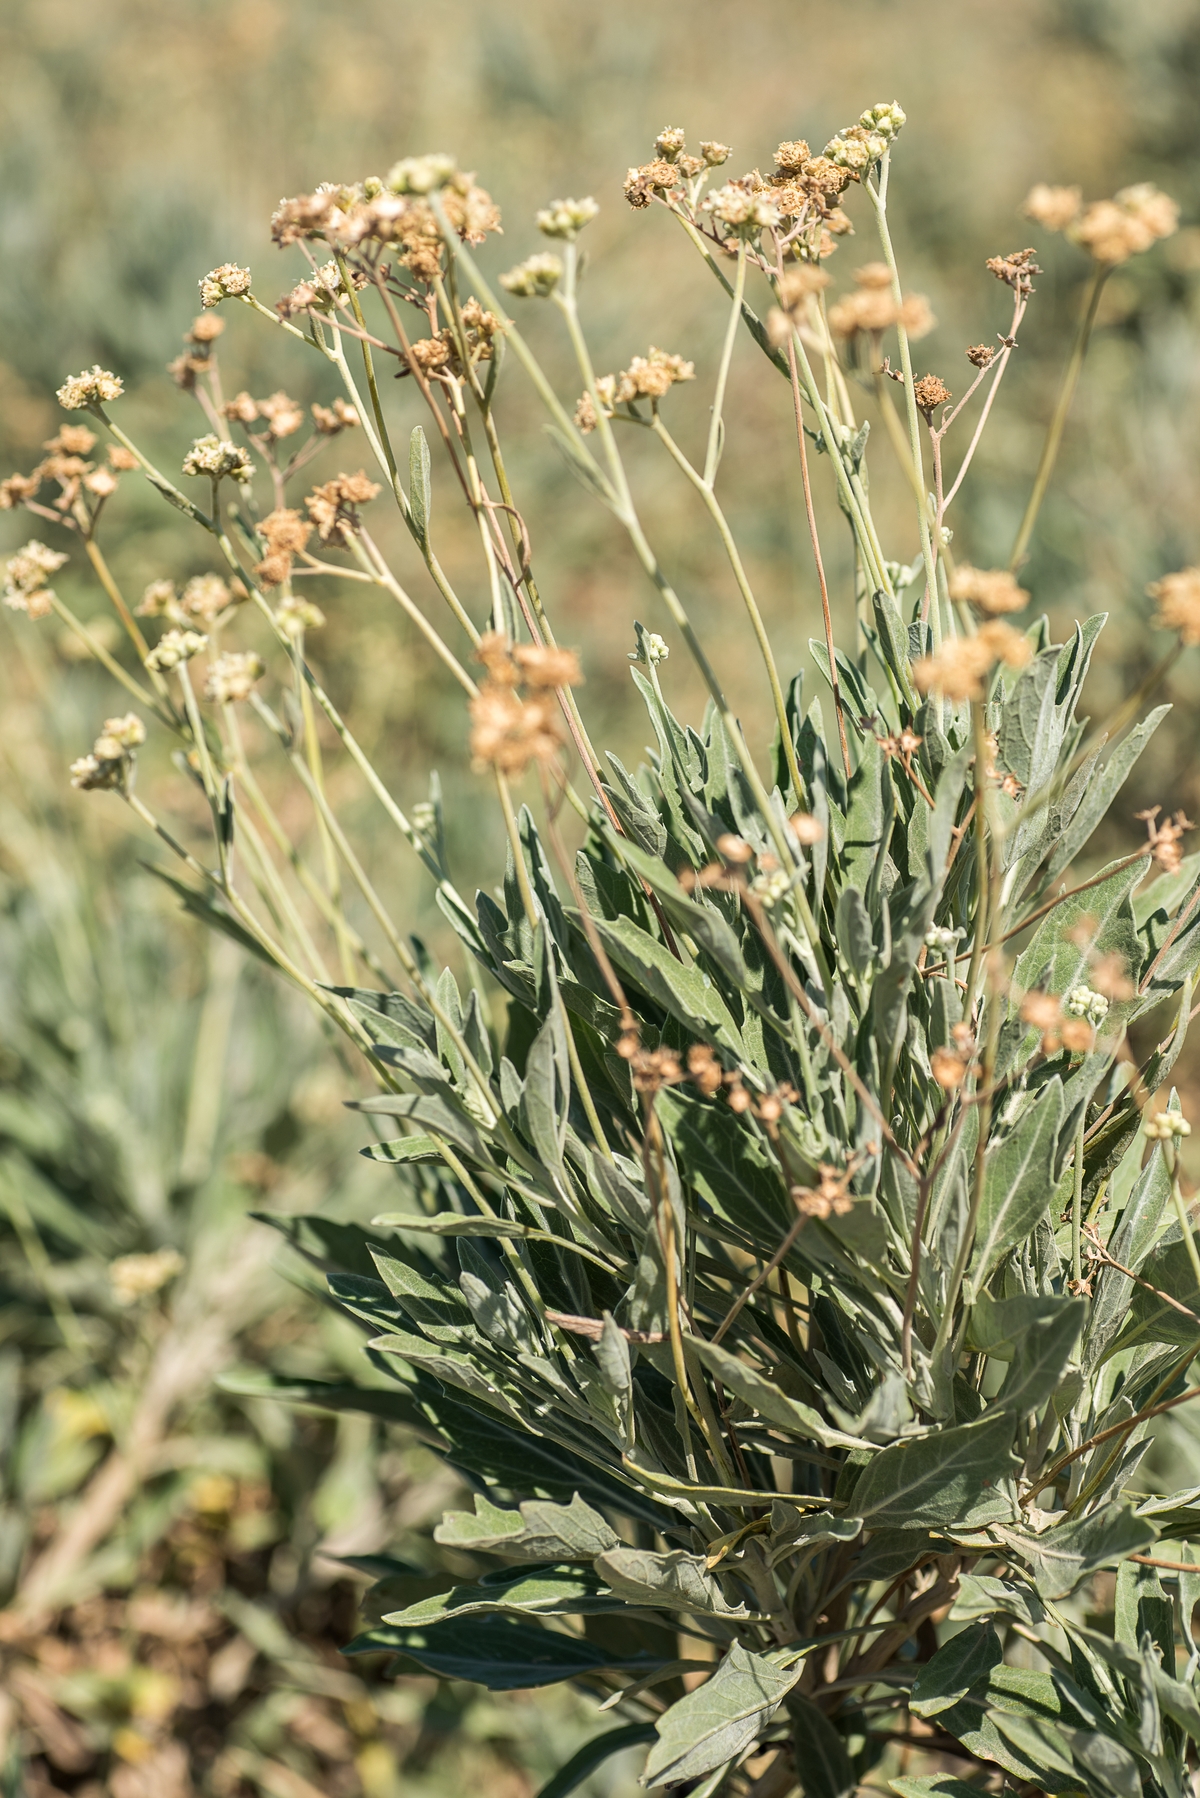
{"points": [[181, 1634]]}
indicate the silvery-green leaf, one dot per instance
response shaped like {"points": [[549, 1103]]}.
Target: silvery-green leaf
{"points": [[1060, 1557], [404, 1149], [539, 1591], [1040, 1356], [960, 1665], [612, 1357], [504, 1654], [420, 492], [821, 1751], [676, 1581], [766, 1398], [1017, 1184], [983, 1595], [940, 1478], [537, 1531], [720, 1719]]}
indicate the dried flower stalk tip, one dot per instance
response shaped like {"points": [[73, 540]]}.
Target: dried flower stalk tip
{"points": [[329, 420], [1016, 270], [859, 147], [981, 354], [224, 283], [1178, 597], [89, 389], [535, 278], [566, 218], [991, 590], [745, 208]]}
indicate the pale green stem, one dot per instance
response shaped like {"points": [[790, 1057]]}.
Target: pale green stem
{"points": [[704, 488], [716, 429], [878, 198], [1077, 1204], [1185, 1222]]}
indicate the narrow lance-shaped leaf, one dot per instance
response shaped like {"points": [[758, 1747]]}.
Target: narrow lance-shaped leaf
{"points": [[1018, 1184]]}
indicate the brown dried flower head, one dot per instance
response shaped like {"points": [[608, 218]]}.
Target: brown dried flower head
{"points": [[1137, 217], [642, 184], [1052, 207], [205, 329], [991, 590], [329, 420], [931, 391], [948, 1069], [495, 651], [547, 668], [17, 488], [982, 355], [26, 585], [333, 505], [1178, 597], [507, 734], [958, 668], [704, 1070], [1166, 837]]}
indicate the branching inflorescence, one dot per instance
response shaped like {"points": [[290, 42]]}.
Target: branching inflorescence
{"points": [[794, 1269]]}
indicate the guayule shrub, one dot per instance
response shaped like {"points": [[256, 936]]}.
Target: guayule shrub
{"points": [[795, 1273]]}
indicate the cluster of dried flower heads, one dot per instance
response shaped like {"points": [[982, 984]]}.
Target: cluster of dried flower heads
{"points": [[511, 728]]}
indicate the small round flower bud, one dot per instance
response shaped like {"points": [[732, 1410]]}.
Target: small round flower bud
{"points": [[295, 616], [173, 648], [654, 649], [566, 218], [421, 174], [715, 154], [744, 210], [771, 888], [224, 283], [128, 732], [232, 677], [535, 278], [1083, 1002], [217, 457], [887, 118]]}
